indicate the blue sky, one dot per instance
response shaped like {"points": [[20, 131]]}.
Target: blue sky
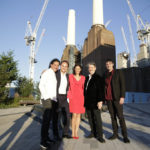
{"points": [[15, 13]]}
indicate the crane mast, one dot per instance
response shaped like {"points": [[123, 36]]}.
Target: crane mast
{"points": [[39, 42], [133, 13], [132, 40], [30, 38], [124, 38]]}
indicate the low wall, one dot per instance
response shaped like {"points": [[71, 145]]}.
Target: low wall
{"points": [[137, 79]]}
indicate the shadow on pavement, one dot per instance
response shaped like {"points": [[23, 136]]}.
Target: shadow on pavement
{"points": [[30, 138], [12, 132]]}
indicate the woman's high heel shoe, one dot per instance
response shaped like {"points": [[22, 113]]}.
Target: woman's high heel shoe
{"points": [[77, 137]]}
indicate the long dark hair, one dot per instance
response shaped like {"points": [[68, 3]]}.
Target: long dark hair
{"points": [[52, 61], [77, 65]]}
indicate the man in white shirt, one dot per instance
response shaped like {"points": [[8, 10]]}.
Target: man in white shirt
{"points": [[48, 87], [62, 89]]}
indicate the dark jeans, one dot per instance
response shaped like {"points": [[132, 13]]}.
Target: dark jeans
{"points": [[95, 121], [48, 116], [116, 110], [64, 107]]}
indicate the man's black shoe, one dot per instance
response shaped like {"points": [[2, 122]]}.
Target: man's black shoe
{"points": [[49, 141], [101, 140], [90, 136], [126, 140], [67, 136], [113, 137], [44, 145]]}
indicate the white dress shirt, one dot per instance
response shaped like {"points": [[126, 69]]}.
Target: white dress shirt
{"points": [[88, 81], [63, 84], [48, 84]]}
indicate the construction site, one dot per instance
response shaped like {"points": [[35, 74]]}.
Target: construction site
{"points": [[99, 45]]}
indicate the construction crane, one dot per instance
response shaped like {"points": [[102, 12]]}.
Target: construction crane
{"points": [[126, 54], [65, 41], [107, 23], [132, 40], [132, 12], [39, 42], [30, 38], [124, 38], [143, 30]]}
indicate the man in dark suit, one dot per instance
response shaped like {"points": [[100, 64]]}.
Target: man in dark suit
{"points": [[114, 96], [93, 92], [62, 89]]}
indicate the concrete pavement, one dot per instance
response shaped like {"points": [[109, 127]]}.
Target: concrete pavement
{"points": [[20, 131]]}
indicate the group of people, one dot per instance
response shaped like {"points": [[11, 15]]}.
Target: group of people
{"points": [[76, 94]]}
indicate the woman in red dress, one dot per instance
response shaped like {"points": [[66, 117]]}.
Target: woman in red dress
{"points": [[76, 98]]}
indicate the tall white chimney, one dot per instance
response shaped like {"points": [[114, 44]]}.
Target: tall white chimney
{"points": [[71, 28], [98, 12]]}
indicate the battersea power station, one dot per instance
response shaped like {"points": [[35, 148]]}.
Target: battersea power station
{"points": [[99, 45]]}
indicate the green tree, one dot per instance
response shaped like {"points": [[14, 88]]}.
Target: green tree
{"points": [[8, 72], [25, 87], [37, 91]]}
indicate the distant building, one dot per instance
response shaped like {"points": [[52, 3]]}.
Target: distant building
{"points": [[143, 57], [123, 60], [12, 89]]}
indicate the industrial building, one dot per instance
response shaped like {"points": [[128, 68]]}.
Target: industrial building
{"points": [[97, 47]]}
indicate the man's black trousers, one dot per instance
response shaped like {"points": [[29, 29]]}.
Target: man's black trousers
{"points": [[47, 118], [95, 121], [64, 107], [116, 110]]}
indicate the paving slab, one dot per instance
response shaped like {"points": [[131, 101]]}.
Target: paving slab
{"points": [[20, 131]]}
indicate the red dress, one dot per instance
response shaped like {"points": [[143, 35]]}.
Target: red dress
{"points": [[76, 94]]}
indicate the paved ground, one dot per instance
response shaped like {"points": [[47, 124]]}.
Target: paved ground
{"points": [[18, 131]]}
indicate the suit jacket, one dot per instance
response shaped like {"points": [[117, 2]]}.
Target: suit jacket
{"points": [[94, 92], [58, 77], [117, 84]]}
